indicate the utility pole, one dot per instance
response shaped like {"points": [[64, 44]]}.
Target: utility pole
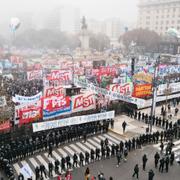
{"points": [[154, 86]]}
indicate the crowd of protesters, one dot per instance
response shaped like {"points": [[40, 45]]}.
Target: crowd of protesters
{"points": [[20, 148]]}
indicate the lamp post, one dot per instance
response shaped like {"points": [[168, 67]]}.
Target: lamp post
{"points": [[154, 84]]}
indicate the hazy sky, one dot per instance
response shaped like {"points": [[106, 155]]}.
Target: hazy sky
{"points": [[98, 9]]}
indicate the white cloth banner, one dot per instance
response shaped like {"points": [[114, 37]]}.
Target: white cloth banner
{"points": [[3, 101], [148, 103], [26, 171], [174, 87], [31, 75], [27, 99], [83, 102], [112, 95], [72, 121]]}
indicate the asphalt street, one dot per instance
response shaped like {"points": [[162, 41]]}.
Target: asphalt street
{"points": [[125, 170]]}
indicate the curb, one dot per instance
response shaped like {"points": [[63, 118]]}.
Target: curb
{"points": [[116, 132]]}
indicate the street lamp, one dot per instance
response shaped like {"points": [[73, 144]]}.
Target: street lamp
{"points": [[154, 86]]}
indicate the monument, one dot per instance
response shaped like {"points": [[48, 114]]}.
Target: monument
{"points": [[84, 35]]}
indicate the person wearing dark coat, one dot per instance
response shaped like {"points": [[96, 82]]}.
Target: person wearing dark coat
{"points": [[37, 170], [92, 155], [56, 165], [50, 150], [144, 160], [97, 154], [86, 157], [167, 163], [81, 158], [151, 175], [63, 161], [50, 167], [42, 170], [68, 161], [156, 159], [161, 165], [136, 171], [172, 158], [20, 177], [75, 160]]}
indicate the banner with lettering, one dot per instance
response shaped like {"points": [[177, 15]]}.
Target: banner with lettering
{"points": [[30, 115], [22, 107], [83, 102], [142, 90], [31, 75], [55, 106], [42, 126], [54, 91], [27, 99], [124, 89], [60, 77]]}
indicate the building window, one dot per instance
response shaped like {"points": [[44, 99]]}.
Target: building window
{"points": [[174, 9], [162, 16], [147, 23], [167, 28], [167, 22], [178, 28], [147, 17], [178, 21], [167, 15], [172, 22], [156, 22], [157, 17], [162, 22], [157, 11]]}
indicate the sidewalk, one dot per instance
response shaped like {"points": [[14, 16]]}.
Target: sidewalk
{"points": [[135, 127]]}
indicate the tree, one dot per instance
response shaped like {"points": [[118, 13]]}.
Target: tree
{"points": [[99, 41], [147, 39]]}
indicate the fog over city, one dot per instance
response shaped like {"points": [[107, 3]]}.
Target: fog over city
{"points": [[125, 10]]}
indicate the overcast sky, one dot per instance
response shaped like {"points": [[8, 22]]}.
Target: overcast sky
{"points": [[97, 9]]}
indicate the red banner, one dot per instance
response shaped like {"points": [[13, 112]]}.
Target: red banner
{"points": [[4, 125], [56, 103], [53, 91], [83, 102], [124, 89], [34, 75], [142, 90], [63, 75], [30, 115]]}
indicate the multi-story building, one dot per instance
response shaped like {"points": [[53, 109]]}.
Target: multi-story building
{"points": [[159, 15]]}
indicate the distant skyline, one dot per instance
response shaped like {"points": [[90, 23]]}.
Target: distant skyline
{"points": [[126, 10]]}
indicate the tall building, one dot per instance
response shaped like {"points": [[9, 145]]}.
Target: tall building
{"points": [[159, 15]]}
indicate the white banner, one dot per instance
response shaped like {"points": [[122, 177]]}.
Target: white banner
{"points": [[148, 103], [173, 87], [31, 75], [27, 99], [112, 95], [83, 102], [3, 101], [72, 121], [26, 171]]}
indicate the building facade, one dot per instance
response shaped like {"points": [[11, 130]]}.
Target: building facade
{"points": [[159, 15]]}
